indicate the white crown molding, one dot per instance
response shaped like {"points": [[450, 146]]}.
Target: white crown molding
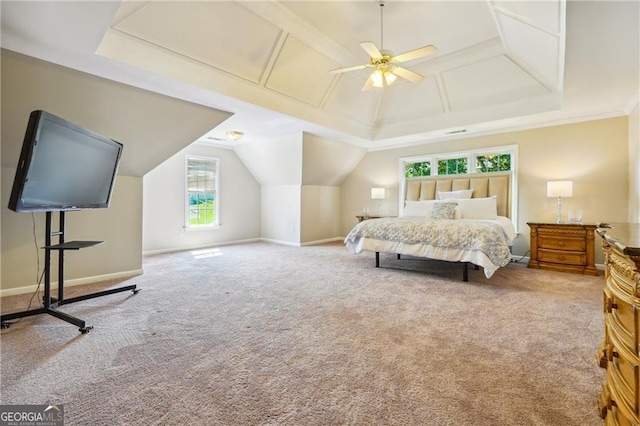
{"points": [[633, 101]]}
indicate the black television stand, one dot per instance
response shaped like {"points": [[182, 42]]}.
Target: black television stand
{"points": [[51, 304]]}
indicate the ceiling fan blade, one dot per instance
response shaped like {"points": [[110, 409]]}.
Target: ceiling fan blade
{"points": [[353, 68], [407, 75], [416, 53], [371, 49], [368, 85]]}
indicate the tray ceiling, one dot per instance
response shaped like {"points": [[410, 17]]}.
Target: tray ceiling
{"points": [[494, 59], [500, 65]]}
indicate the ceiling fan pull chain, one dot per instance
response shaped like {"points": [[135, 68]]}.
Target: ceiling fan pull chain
{"points": [[381, 26]]}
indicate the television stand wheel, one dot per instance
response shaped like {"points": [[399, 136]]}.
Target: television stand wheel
{"points": [[136, 290], [85, 330], [4, 325]]}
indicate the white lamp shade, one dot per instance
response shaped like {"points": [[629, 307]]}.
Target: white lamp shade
{"points": [[560, 188], [377, 193]]}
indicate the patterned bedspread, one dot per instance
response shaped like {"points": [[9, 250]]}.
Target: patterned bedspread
{"points": [[486, 237]]}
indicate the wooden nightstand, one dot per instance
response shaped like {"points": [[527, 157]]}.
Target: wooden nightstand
{"points": [[361, 218], [566, 247]]}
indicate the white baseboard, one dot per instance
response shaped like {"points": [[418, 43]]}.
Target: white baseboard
{"points": [[326, 240], [73, 282], [251, 240], [286, 243], [525, 260], [199, 247]]}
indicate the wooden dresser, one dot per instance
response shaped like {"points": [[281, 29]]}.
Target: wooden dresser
{"points": [[619, 400], [565, 247]]}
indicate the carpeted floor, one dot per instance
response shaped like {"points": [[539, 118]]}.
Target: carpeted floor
{"points": [[264, 334]]}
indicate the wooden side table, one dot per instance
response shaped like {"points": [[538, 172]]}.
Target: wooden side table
{"points": [[361, 218], [566, 247]]}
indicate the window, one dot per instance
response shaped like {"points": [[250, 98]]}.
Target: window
{"points": [[493, 163], [453, 166], [417, 169], [202, 196], [498, 159], [476, 161]]}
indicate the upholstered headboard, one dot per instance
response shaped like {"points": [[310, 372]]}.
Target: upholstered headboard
{"points": [[484, 185]]}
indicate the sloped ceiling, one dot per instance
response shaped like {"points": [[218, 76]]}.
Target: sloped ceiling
{"points": [[151, 127], [494, 59]]}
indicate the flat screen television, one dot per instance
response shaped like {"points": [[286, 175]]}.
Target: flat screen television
{"points": [[63, 167]]}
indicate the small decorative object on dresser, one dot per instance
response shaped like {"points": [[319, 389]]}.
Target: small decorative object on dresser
{"points": [[566, 247], [619, 400]]}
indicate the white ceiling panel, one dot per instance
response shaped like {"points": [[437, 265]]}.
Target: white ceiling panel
{"points": [[203, 31], [407, 24], [489, 82], [349, 101], [423, 100], [543, 14], [538, 49], [301, 72]]}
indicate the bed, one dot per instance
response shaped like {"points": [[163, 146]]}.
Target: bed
{"points": [[464, 219]]}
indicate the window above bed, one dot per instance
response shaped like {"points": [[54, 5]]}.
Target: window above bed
{"points": [[443, 175], [499, 159]]}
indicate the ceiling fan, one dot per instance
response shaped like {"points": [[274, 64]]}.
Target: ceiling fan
{"points": [[385, 64]]}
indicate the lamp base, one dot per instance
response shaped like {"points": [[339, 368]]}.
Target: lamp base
{"points": [[559, 212]]}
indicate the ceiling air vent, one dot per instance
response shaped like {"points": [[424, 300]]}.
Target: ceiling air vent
{"points": [[455, 132]]}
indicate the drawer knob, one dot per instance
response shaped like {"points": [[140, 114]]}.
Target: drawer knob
{"points": [[611, 353], [610, 305], [605, 402]]}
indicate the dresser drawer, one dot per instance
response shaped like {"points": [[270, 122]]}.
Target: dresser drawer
{"points": [[621, 316], [623, 399], [622, 374], [613, 410], [561, 243], [562, 257]]}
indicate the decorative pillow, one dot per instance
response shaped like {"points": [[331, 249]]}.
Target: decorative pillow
{"points": [[418, 208], [460, 194], [479, 208], [444, 210]]}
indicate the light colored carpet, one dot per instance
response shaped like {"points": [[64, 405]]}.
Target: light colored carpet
{"points": [[259, 334]]}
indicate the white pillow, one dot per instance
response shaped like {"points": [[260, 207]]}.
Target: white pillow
{"points": [[478, 208], [458, 195], [418, 208]]}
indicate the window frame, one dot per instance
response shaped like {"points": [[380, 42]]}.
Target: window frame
{"points": [[471, 156], [188, 226]]}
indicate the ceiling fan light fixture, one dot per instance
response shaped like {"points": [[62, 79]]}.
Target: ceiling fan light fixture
{"points": [[382, 78]]}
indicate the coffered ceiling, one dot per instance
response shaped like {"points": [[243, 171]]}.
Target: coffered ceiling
{"points": [[498, 64]]}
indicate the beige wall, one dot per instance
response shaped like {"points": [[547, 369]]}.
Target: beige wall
{"points": [[320, 208], [164, 210], [151, 127], [300, 175], [119, 226], [592, 154], [281, 213]]}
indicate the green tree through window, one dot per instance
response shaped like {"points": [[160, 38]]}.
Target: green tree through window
{"points": [[493, 163], [201, 191], [417, 169]]}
